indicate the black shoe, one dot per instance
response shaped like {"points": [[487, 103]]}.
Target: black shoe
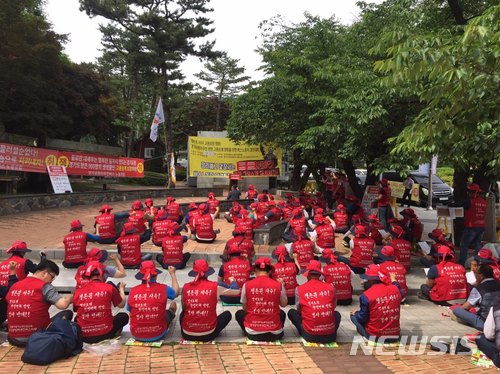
{"points": [[461, 348], [420, 295]]}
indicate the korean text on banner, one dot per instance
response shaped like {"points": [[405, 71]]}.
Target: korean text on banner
{"points": [[220, 157]]}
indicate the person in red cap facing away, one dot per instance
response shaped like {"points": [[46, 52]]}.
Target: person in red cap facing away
{"points": [[474, 221], [5, 289], [432, 258], [379, 306], [174, 210], [402, 246], [234, 213], [129, 246], [274, 213], [105, 226], [161, 226], [136, 217], [251, 193], [242, 242], [340, 275], [75, 246], [151, 211], [385, 212], [286, 211], [203, 225], [341, 219], [93, 302], [286, 271], [235, 269], [303, 247], [373, 229], [412, 225], [214, 205], [95, 254], [323, 234], [315, 318], [387, 261], [29, 300], [485, 256], [24, 266], [362, 247], [147, 303], [199, 320], [354, 207], [187, 222], [261, 318], [245, 224], [446, 280], [173, 254], [298, 219]]}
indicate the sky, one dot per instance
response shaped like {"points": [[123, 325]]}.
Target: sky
{"points": [[235, 22]]}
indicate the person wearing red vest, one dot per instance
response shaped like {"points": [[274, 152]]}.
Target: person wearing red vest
{"points": [[199, 320], [315, 318], [485, 256], [362, 248], [105, 226], [389, 264], [380, 306], [261, 318], [354, 207], [245, 224], [402, 247], [187, 222], [340, 275], [341, 219], [174, 210], [24, 266], [237, 268], [29, 300], [234, 213], [173, 252], [136, 217], [5, 289], [93, 302], [373, 229], [251, 192], [475, 207], [302, 246], [129, 246], [323, 234], [160, 227], [75, 246], [274, 213], [147, 303], [446, 280], [385, 212], [96, 254], [151, 211], [412, 225], [329, 185], [297, 219], [286, 211], [286, 271], [242, 242], [203, 225], [214, 205]]}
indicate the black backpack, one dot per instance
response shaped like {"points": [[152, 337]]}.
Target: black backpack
{"points": [[61, 339]]}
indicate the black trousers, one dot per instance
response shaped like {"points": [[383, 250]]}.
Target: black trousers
{"points": [[222, 321], [296, 318], [72, 265], [265, 337], [185, 258], [406, 197], [119, 321]]}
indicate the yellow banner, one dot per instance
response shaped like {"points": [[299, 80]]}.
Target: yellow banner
{"points": [[219, 157], [397, 190]]}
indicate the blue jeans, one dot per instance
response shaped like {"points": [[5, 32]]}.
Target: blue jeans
{"points": [[488, 348], [470, 237], [362, 331], [470, 318], [384, 214]]}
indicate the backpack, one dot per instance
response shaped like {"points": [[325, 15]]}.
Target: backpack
{"points": [[61, 339]]}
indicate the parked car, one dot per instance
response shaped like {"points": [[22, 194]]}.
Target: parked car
{"points": [[442, 193]]}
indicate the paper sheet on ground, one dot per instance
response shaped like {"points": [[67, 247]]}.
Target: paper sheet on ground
{"points": [[383, 233], [136, 343], [426, 270], [325, 345], [193, 342], [424, 247], [254, 342]]}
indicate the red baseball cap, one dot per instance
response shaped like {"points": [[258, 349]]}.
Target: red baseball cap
{"points": [[18, 246], [105, 208], [75, 225]]}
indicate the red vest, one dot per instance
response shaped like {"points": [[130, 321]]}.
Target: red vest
{"points": [[287, 271], [286, 212], [174, 211], [200, 306], [341, 220], [252, 194], [402, 251], [245, 225], [305, 251], [192, 215], [496, 272], [204, 227], [263, 304], [136, 217], [160, 229], [451, 283], [172, 247], [399, 270], [5, 272], [295, 222], [384, 310], [475, 216], [374, 233], [262, 208], [130, 249], [339, 275], [92, 303], [246, 245], [276, 214], [213, 204], [80, 281], [75, 247], [27, 311], [106, 222], [237, 268], [325, 236], [386, 196], [147, 310], [362, 253], [316, 301]]}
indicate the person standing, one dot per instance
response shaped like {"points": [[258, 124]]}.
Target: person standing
{"points": [[408, 184], [385, 212], [234, 194]]}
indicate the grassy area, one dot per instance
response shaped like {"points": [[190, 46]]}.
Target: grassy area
{"points": [[446, 174]]}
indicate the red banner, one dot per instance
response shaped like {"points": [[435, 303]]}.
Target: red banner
{"points": [[35, 160], [256, 165]]}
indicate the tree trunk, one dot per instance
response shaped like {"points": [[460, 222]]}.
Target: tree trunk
{"points": [[304, 178], [295, 182], [351, 177], [459, 194], [457, 12], [481, 178], [371, 177]]}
